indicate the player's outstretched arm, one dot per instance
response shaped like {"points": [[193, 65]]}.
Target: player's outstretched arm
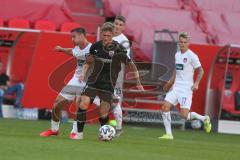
{"points": [[198, 79], [131, 67], [64, 50]]}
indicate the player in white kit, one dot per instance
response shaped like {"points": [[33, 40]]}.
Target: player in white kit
{"points": [[119, 27], [74, 87], [183, 85]]}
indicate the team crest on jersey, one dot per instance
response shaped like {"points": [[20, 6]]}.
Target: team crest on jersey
{"points": [[111, 53], [184, 60]]}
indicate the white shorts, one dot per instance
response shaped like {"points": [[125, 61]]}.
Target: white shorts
{"points": [[181, 96], [118, 93], [73, 88]]}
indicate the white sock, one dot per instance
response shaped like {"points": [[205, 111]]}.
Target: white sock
{"points": [[74, 127], [167, 122], [117, 111], [194, 115], [54, 125]]}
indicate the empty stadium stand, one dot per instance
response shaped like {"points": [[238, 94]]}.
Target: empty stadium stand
{"points": [[19, 23], [209, 22], [68, 26], [45, 25], [56, 11], [86, 14], [52, 15]]}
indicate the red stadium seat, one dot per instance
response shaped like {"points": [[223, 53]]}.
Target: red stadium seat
{"points": [[68, 26], [1, 23], [45, 25], [19, 23]]}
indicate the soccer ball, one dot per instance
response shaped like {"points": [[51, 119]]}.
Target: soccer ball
{"points": [[106, 133], [196, 124]]}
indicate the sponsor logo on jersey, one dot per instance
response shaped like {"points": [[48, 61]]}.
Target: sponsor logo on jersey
{"points": [[80, 62], [184, 60], [179, 66]]}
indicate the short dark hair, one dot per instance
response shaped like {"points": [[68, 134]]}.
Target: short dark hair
{"points": [[107, 27], [79, 30], [121, 18]]}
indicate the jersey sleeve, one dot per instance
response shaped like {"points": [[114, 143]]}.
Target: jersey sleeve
{"points": [[124, 58], [195, 61], [127, 46], [91, 54], [93, 50]]}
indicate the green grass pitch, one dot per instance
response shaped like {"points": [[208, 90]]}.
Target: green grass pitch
{"points": [[19, 140]]}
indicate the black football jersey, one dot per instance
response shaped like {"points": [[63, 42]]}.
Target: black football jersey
{"points": [[107, 63]]}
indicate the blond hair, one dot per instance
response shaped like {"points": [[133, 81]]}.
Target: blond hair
{"points": [[184, 35], [107, 24]]}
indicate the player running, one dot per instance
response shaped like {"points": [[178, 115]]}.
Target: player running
{"points": [[186, 62], [107, 56], [119, 27], [74, 87]]}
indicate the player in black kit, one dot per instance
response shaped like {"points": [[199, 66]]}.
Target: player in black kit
{"points": [[106, 57]]}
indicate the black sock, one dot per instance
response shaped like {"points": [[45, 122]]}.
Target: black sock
{"points": [[103, 120], [81, 119]]}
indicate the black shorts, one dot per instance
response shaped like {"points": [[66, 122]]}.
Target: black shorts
{"points": [[92, 91]]}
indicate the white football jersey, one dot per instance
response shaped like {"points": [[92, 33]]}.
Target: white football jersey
{"points": [[123, 40], [185, 63], [80, 54]]}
